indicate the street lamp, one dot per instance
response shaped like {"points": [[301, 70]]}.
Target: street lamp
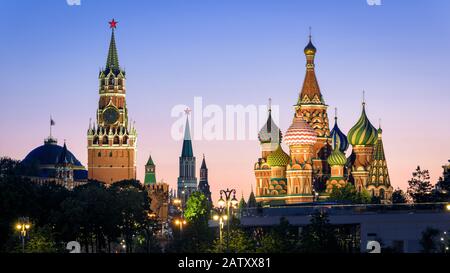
{"points": [[180, 223], [228, 203], [23, 226], [220, 217]]}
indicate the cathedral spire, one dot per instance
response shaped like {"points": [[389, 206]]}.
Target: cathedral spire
{"points": [[113, 59], [310, 93]]}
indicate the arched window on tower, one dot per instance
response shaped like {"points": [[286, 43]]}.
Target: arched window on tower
{"points": [[125, 140], [116, 140], [112, 81], [105, 140], [95, 140]]}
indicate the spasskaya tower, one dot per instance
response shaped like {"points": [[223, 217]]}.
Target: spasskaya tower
{"points": [[112, 139]]}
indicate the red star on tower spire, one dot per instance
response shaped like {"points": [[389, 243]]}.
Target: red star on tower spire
{"points": [[113, 24]]}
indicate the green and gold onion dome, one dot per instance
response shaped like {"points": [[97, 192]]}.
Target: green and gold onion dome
{"points": [[363, 133], [278, 158], [337, 158]]}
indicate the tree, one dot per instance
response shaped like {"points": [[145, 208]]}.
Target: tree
{"points": [[197, 231], [240, 242], [132, 201], [280, 239], [319, 235], [398, 197], [419, 186], [349, 194], [428, 240], [41, 241]]}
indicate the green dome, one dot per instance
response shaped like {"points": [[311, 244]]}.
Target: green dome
{"points": [[337, 158], [278, 158], [363, 133]]}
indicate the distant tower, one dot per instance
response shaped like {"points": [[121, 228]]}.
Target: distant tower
{"points": [[379, 183], [363, 137], [203, 185], [187, 181], [112, 143], [150, 175], [64, 169], [311, 105]]}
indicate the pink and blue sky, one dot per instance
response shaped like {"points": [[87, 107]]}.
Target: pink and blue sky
{"points": [[228, 52]]}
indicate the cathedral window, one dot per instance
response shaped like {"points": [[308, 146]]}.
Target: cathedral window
{"points": [[99, 154], [116, 140], [105, 140]]}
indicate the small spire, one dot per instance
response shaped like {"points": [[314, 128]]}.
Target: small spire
{"points": [[113, 60], [335, 114], [364, 98], [310, 36], [270, 104]]}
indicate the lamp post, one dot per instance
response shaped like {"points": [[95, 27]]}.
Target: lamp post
{"points": [[220, 217], [23, 226], [228, 203], [180, 223]]}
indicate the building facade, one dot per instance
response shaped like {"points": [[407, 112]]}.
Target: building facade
{"points": [[316, 162], [112, 139]]}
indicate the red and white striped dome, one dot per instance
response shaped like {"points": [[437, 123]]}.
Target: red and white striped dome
{"points": [[300, 133]]}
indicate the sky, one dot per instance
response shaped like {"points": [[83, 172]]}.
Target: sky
{"points": [[227, 52]]}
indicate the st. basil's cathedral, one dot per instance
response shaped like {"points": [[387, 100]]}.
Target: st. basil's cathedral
{"points": [[316, 163]]}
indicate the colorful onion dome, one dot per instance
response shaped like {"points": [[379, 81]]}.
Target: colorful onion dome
{"points": [[278, 158], [363, 133], [300, 133], [337, 158], [338, 138], [310, 49], [270, 133]]}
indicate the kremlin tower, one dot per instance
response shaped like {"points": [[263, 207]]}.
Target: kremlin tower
{"points": [[112, 141], [150, 176], [316, 163], [203, 184], [187, 181]]}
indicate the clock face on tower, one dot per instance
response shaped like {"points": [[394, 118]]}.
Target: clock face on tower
{"points": [[110, 115]]}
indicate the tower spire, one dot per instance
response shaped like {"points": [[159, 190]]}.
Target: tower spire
{"points": [[112, 61], [187, 141]]}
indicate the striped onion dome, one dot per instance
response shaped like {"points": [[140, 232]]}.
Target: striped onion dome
{"points": [[337, 158], [300, 133], [363, 133], [278, 158], [338, 138]]}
